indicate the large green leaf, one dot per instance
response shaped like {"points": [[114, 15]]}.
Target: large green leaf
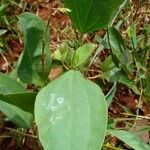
{"points": [[131, 139], [36, 40], [10, 86], [91, 15], [18, 108], [71, 114], [82, 54]]}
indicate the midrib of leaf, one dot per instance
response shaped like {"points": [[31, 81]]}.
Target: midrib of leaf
{"points": [[70, 91], [84, 92]]}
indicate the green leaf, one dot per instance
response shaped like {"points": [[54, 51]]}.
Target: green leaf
{"points": [[3, 8], [132, 35], [91, 15], [115, 13], [114, 74], [57, 55], [25, 101], [36, 36], [71, 113], [118, 46], [131, 139], [10, 86], [120, 77], [18, 108], [109, 69], [62, 51], [108, 64], [2, 31], [102, 41], [82, 54], [111, 94], [147, 88]]}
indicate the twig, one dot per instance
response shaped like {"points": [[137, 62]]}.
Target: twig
{"points": [[126, 119], [142, 117], [5, 136], [95, 77], [18, 132]]}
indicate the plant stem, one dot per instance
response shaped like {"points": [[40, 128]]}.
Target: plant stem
{"points": [[43, 51], [140, 117], [73, 59], [21, 133], [95, 77]]}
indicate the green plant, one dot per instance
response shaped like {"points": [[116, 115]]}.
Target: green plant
{"points": [[71, 111]]}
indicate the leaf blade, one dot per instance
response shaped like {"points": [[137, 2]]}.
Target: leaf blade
{"points": [[30, 69], [71, 125], [82, 54], [88, 16], [10, 86], [130, 138], [13, 106]]}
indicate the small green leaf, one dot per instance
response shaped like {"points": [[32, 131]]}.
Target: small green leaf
{"points": [[109, 69], [2, 31], [111, 94], [108, 64], [91, 15], [114, 74], [3, 8], [10, 86], [103, 42], [118, 46], [131, 139], [82, 54], [62, 51], [132, 35], [147, 88], [71, 113], [57, 55], [18, 108], [120, 77], [36, 40]]}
